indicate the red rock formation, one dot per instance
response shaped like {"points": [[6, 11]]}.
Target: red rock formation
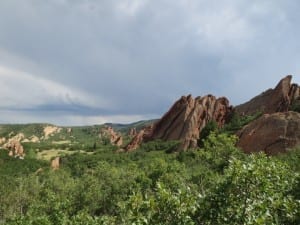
{"points": [[184, 121], [139, 138], [132, 132], [272, 100], [135, 142], [271, 133], [115, 138], [118, 141]]}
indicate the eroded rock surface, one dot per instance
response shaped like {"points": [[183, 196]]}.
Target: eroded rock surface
{"points": [[55, 163], [185, 120], [51, 130], [114, 137], [271, 133], [139, 138], [15, 149], [132, 132]]}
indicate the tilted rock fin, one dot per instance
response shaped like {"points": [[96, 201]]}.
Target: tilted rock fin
{"points": [[185, 120], [274, 100]]}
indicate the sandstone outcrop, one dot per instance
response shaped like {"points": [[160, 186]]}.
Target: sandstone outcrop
{"points": [[15, 149], [185, 120], [135, 142], [274, 100], [55, 163], [114, 137], [132, 132], [2, 140], [118, 141], [139, 138], [33, 139], [50, 131], [18, 137], [271, 133]]}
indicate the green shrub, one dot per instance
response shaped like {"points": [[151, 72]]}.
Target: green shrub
{"points": [[163, 207], [219, 149], [237, 122], [256, 191], [211, 126], [159, 145]]}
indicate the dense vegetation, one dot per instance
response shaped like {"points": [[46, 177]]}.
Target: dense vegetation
{"points": [[216, 184]]}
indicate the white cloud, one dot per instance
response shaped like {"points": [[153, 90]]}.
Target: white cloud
{"points": [[136, 57], [21, 90]]}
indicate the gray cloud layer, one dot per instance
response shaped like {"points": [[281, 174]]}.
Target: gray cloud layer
{"points": [[89, 61]]}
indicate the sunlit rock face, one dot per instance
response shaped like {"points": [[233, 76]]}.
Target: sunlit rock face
{"points": [[185, 120]]}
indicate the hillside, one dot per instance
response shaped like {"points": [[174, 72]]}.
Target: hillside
{"points": [[48, 141]]}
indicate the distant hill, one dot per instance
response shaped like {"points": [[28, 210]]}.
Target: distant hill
{"points": [[47, 140], [78, 132]]}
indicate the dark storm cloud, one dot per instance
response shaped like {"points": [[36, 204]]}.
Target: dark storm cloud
{"points": [[108, 60]]}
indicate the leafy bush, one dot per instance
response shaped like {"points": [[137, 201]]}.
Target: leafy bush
{"points": [[163, 207], [211, 126], [215, 184], [219, 149], [160, 145], [237, 122], [253, 192]]}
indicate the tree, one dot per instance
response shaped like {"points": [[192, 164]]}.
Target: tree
{"points": [[218, 149]]}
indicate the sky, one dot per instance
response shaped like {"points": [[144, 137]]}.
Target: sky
{"points": [[83, 62]]}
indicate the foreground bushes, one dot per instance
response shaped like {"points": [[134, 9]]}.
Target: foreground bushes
{"points": [[214, 185]]}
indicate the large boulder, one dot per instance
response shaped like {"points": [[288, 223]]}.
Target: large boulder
{"points": [[185, 120], [271, 133], [274, 100]]}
